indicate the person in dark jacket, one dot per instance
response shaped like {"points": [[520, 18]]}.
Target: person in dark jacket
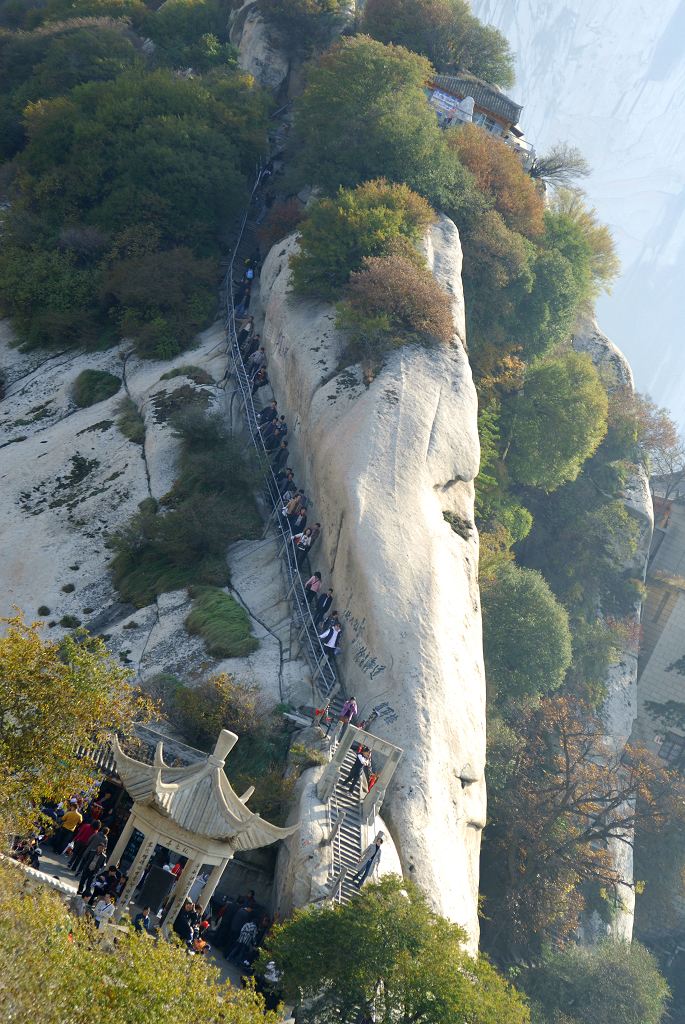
{"points": [[268, 414], [93, 863], [362, 761], [143, 921], [183, 925], [323, 603], [241, 917], [106, 882], [281, 456]]}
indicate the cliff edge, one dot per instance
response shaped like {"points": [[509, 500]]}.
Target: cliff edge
{"points": [[383, 464]]}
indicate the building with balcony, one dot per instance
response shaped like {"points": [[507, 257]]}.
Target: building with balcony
{"points": [[463, 98]]}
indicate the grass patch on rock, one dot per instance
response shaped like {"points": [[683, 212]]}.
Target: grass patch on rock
{"points": [[194, 373], [130, 420], [222, 623], [93, 386]]}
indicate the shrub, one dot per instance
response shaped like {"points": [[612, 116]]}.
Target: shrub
{"points": [[45, 948], [70, 622], [605, 264], [557, 422], [499, 173], [446, 32], [281, 220], [130, 421], [526, 635], [404, 301], [339, 233], [161, 299], [93, 386], [221, 702], [223, 624]]}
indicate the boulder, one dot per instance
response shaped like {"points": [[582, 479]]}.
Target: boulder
{"points": [[383, 464], [258, 51]]}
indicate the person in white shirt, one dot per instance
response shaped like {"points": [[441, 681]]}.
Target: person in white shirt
{"points": [[103, 910]]}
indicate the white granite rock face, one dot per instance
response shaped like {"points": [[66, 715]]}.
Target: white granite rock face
{"points": [[620, 708], [69, 478], [382, 464], [257, 52]]}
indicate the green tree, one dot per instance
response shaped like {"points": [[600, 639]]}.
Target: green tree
{"points": [[339, 233], [44, 949], [598, 985], [585, 541], [49, 62], [605, 264], [54, 698], [364, 115], [446, 32], [526, 635], [388, 953], [161, 299], [557, 422]]}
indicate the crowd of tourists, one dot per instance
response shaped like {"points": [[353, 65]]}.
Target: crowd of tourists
{"points": [[294, 508], [293, 502]]}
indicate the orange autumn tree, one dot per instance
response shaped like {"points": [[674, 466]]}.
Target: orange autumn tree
{"points": [[500, 175], [55, 697], [559, 793]]}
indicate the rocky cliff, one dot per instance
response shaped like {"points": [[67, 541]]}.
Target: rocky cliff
{"points": [[620, 708], [70, 478], [383, 464]]}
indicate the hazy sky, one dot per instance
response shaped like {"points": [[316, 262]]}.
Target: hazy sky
{"points": [[609, 78]]}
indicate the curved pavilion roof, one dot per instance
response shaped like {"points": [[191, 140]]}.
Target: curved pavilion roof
{"points": [[198, 797]]}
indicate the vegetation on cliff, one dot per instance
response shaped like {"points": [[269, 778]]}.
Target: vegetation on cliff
{"points": [[389, 956], [45, 949], [56, 697], [125, 174]]}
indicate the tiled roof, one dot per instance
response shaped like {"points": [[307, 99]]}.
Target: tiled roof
{"points": [[198, 797], [487, 97]]}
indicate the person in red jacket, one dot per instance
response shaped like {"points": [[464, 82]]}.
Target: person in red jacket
{"points": [[82, 836]]}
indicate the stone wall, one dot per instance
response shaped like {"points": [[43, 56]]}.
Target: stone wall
{"points": [[382, 464]]}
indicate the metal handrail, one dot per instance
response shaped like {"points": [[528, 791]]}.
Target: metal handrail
{"points": [[324, 676]]}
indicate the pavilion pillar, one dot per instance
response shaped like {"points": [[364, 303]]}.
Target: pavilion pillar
{"points": [[123, 840], [212, 882], [183, 887], [145, 851]]}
